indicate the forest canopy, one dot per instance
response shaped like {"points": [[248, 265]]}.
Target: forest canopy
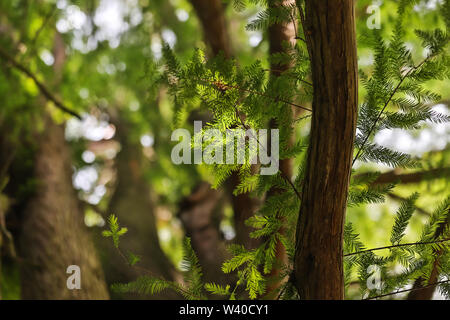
{"points": [[209, 149]]}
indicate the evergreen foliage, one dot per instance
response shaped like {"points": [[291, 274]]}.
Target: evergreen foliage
{"points": [[245, 97]]}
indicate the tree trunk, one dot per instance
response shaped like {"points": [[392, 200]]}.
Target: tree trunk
{"points": [[212, 18], [280, 35], [132, 204], [330, 34], [53, 234], [201, 214], [244, 207]]}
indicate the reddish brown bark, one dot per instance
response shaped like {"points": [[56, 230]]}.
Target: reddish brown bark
{"points": [[280, 35], [53, 234], [330, 33]]}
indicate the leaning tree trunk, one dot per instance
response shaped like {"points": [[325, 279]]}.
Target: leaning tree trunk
{"points": [[212, 17], [132, 204], [200, 214], [330, 34], [53, 234]]}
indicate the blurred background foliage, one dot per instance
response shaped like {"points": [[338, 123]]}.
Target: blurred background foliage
{"points": [[108, 79]]}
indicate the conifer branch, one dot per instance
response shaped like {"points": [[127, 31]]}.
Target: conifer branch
{"points": [[397, 246], [223, 87], [44, 90], [434, 274], [295, 26], [306, 32], [46, 20], [372, 128], [281, 71], [283, 290], [399, 198], [408, 290], [150, 273], [246, 127], [409, 178]]}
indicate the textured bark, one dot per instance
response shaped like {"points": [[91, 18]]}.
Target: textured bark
{"points": [[280, 34], [132, 204], [330, 30], [212, 19], [53, 234]]}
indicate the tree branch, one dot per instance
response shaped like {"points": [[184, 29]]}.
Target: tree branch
{"points": [[283, 175], [414, 177], [397, 246], [408, 290], [399, 198], [434, 274], [44, 90], [223, 86], [385, 106]]}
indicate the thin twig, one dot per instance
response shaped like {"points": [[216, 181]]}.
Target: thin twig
{"points": [[408, 290], [44, 23], [294, 24], [280, 294], [44, 90], [385, 106], [150, 273], [305, 32], [400, 198], [281, 71], [224, 86], [397, 246], [282, 174]]}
